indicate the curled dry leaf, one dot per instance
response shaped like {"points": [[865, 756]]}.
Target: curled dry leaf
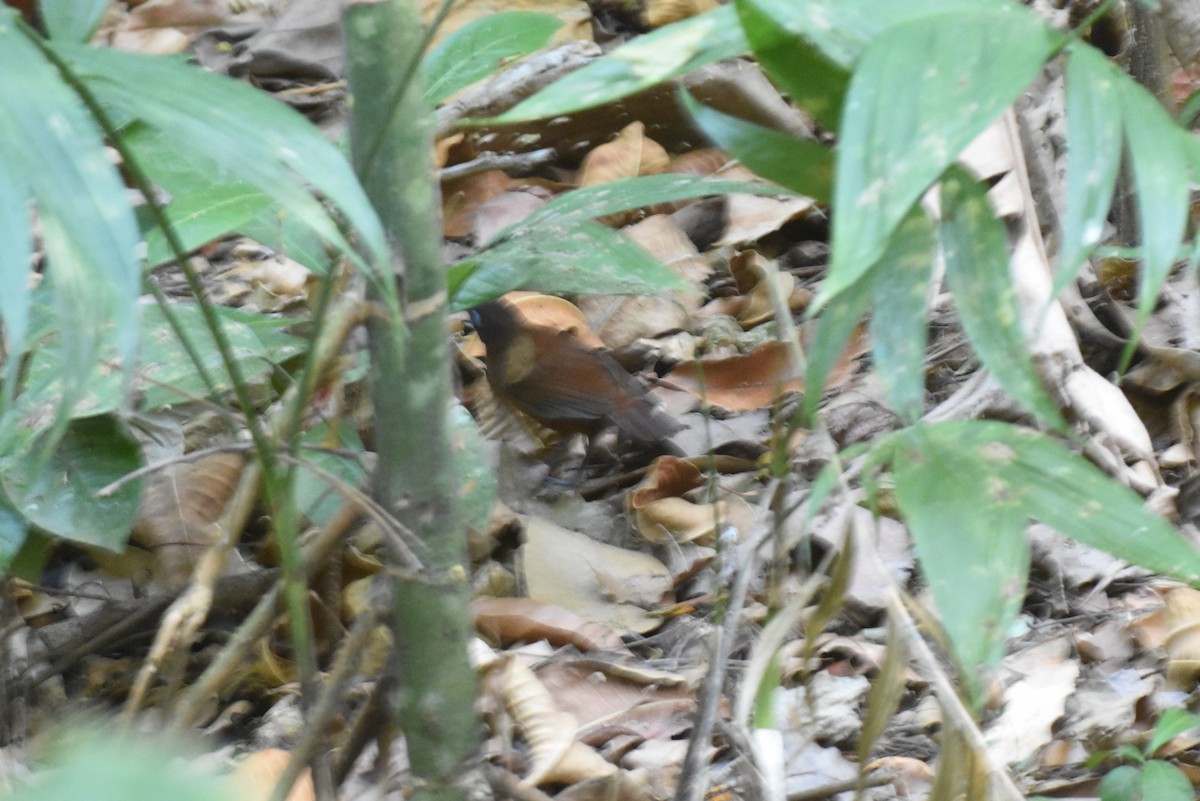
{"points": [[756, 303], [550, 733], [1183, 638], [631, 154], [179, 508], [509, 620]]}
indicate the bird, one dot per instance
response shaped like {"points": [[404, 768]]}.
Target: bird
{"points": [[564, 383]]}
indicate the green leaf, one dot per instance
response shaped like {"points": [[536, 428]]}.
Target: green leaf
{"points": [[59, 494], [204, 215], [975, 244], [809, 46], [834, 327], [71, 20], [283, 233], [965, 486], [969, 530], [632, 193], [1170, 724], [480, 47], [575, 257], [1123, 783], [16, 245], [318, 499], [52, 149], [244, 132], [166, 374], [1093, 158], [908, 115], [13, 532], [1162, 781], [1158, 161], [899, 330], [646, 61], [476, 478], [108, 764], [803, 166]]}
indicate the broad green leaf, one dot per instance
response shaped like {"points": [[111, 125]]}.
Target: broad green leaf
{"points": [[1093, 155], [205, 215], [646, 61], [1162, 781], [952, 477], [969, 530], [1170, 724], [71, 20], [165, 373], [319, 500], [476, 478], [975, 244], [803, 166], [12, 534], [575, 257], [1123, 783], [51, 145], [809, 46], [899, 330], [834, 327], [59, 495], [111, 764], [16, 246], [196, 176], [632, 193], [259, 140], [920, 93], [1158, 160], [482, 46]]}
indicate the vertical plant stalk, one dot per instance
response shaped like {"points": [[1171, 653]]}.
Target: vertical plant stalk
{"points": [[411, 390]]}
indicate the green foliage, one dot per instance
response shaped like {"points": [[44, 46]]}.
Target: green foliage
{"points": [[1146, 778], [968, 489], [559, 249], [481, 47], [648, 60], [88, 763]]}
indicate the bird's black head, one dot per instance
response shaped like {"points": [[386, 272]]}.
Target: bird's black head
{"points": [[495, 323]]}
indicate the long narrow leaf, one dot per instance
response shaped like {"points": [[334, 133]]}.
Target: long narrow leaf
{"points": [[478, 48], [1093, 156], [800, 165], [921, 92], [50, 144], [1158, 161], [976, 249], [667, 53], [258, 139], [899, 330]]}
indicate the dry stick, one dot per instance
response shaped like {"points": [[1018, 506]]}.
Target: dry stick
{"points": [[256, 624], [344, 670], [691, 785], [844, 786]]}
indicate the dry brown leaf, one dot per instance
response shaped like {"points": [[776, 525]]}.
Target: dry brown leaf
{"points": [[663, 12], [743, 382], [508, 620], [1183, 638], [631, 154], [564, 567], [178, 509], [255, 777], [462, 196]]}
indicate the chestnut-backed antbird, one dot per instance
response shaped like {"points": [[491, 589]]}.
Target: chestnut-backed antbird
{"points": [[564, 383]]}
